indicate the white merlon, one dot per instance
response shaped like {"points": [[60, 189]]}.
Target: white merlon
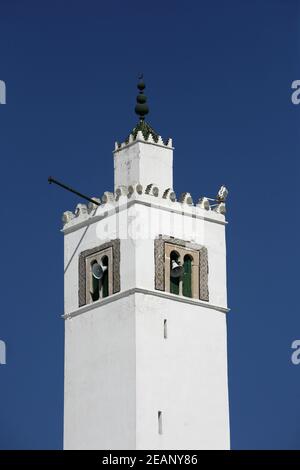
{"points": [[138, 188], [67, 217], [221, 208], [81, 209], [121, 191], [152, 189], [186, 198], [204, 203], [169, 194], [139, 136], [108, 197], [92, 206]]}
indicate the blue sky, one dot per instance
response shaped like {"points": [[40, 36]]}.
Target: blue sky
{"points": [[218, 78]]}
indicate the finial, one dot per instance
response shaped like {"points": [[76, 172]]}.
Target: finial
{"points": [[222, 194], [141, 107]]}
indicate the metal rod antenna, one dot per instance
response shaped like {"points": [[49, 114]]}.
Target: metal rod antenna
{"points": [[62, 185]]}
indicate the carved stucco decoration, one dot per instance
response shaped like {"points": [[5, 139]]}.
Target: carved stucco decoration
{"points": [[159, 259], [115, 245]]}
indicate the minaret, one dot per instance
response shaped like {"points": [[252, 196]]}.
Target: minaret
{"points": [[145, 309]]}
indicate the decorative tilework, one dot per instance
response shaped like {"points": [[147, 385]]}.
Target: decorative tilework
{"points": [[159, 260], [115, 245]]}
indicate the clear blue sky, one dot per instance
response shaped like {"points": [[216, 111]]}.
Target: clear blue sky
{"points": [[218, 78]]}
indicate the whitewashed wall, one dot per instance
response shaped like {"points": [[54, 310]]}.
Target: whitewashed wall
{"points": [[100, 378], [144, 163], [120, 371]]}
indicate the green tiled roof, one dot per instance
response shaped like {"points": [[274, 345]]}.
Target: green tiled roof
{"points": [[146, 130]]}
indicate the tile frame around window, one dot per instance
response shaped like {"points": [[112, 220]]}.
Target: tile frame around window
{"points": [[161, 271], [115, 270], [182, 251], [97, 257]]}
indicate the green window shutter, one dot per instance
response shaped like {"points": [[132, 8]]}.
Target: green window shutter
{"points": [[187, 277], [174, 281], [105, 284], [95, 289], [174, 285]]}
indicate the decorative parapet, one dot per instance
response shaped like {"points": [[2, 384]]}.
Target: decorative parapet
{"points": [[67, 217], [91, 206], [143, 132], [204, 203], [121, 191], [136, 191], [169, 194], [81, 210], [135, 188], [186, 198], [152, 189], [108, 197], [220, 208]]}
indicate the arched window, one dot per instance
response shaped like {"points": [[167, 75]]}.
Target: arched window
{"points": [[104, 280], [99, 272], [95, 284], [187, 276], [174, 281], [99, 278]]}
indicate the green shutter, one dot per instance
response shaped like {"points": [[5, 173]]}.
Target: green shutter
{"points": [[187, 277], [95, 289], [174, 281], [174, 285], [105, 284]]}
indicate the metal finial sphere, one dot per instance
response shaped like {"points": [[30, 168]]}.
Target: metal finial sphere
{"points": [[141, 107]]}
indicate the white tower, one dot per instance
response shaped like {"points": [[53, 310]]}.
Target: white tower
{"points": [[145, 310]]}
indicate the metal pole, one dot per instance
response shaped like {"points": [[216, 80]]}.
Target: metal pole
{"points": [[62, 185]]}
